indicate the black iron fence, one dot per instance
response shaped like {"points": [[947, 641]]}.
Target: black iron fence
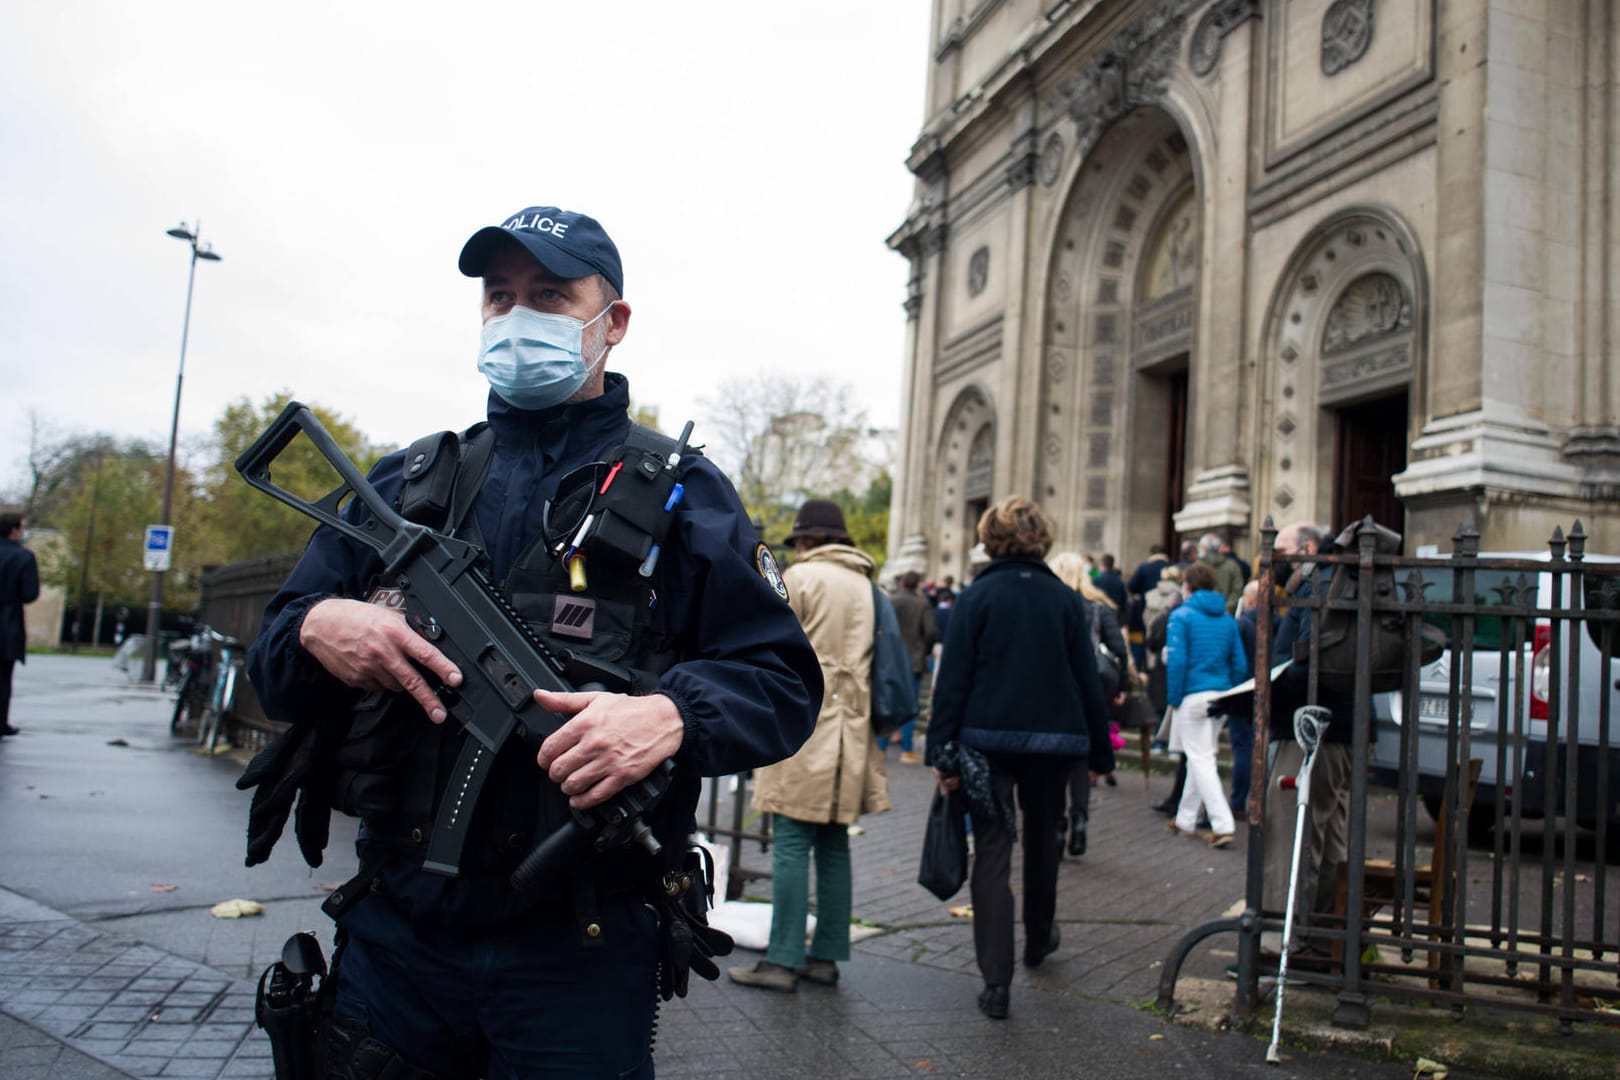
{"points": [[233, 601], [1468, 858]]}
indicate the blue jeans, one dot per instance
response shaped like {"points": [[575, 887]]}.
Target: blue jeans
{"points": [[543, 1004], [791, 842], [908, 731]]}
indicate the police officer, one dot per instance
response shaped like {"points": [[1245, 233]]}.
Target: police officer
{"points": [[465, 976]]}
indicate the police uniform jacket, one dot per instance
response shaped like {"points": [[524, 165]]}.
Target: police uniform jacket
{"points": [[838, 774], [1018, 674], [19, 585], [746, 683]]}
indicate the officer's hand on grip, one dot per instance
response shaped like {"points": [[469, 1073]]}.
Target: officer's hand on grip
{"points": [[373, 648], [612, 741]]}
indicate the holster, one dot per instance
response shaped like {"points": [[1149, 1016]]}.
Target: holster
{"points": [[288, 1008]]}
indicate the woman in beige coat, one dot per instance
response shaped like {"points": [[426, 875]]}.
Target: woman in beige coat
{"points": [[838, 774]]}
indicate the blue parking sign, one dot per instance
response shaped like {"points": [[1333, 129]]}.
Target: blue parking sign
{"points": [[155, 551]]}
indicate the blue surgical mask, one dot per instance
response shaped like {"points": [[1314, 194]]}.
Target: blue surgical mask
{"points": [[533, 360]]}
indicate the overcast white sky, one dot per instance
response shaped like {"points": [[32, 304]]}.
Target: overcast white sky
{"points": [[747, 158]]}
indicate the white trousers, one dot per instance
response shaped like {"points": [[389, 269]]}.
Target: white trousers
{"points": [[1199, 733]]}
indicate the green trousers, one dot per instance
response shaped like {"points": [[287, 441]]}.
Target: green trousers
{"points": [[792, 842]]}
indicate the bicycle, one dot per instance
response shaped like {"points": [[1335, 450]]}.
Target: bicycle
{"points": [[227, 665], [190, 670]]}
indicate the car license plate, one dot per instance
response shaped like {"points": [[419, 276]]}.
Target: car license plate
{"points": [[1434, 708]]}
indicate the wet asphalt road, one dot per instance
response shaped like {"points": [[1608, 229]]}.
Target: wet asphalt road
{"points": [[126, 837]]}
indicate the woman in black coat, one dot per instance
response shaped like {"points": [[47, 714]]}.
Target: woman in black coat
{"points": [[1017, 684]]}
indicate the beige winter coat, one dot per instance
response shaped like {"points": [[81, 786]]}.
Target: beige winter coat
{"points": [[838, 774]]}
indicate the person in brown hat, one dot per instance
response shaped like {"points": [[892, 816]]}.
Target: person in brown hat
{"points": [[829, 586], [820, 521]]}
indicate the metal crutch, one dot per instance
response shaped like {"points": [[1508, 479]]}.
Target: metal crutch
{"points": [[1310, 721]]}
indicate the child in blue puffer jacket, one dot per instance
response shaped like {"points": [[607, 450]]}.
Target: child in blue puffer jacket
{"points": [[1203, 657]]}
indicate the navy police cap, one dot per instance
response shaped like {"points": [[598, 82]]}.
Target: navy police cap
{"points": [[569, 245]]}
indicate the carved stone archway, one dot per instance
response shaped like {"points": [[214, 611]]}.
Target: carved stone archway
{"points": [[1345, 327], [1120, 302], [966, 457]]}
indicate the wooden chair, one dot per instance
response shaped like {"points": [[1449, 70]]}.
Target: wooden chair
{"points": [[1380, 886]]}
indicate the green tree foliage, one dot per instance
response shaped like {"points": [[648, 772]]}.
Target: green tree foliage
{"points": [[865, 515], [645, 415], [783, 438], [232, 521], [100, 494]]}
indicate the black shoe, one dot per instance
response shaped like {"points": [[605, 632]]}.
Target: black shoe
{"points": [[1166, 807], [993, 1002], [1077, 838], [1035, 952], [9, 730]]}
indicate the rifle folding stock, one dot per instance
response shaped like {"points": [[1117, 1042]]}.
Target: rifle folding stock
{"points": [[449, 601]]}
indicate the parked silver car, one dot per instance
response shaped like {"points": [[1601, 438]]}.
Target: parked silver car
{"points": [[1489, 725]]}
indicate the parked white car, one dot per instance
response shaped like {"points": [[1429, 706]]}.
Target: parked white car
{"points": [[1488, 689]]}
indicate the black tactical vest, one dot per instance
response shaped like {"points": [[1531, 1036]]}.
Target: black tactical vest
{"points": [[616, 617]]}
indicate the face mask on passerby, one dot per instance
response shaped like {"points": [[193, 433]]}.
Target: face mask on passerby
{"points": [[534, 360]]}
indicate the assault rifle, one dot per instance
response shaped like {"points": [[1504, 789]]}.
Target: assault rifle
{"points": [[449, 600]]}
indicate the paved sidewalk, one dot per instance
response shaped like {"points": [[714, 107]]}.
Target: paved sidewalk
{"points": [[105, 970]]}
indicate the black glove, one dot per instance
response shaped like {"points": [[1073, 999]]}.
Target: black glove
{"points": [[276, 772], [296, 766], [687, 943]]}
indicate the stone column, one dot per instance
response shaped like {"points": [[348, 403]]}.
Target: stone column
{"points": [[1502, 374], [1222, 377], [922, 240], [1019, 399]]}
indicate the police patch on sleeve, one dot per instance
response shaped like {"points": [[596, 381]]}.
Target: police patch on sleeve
{"points": [[766, 562]]}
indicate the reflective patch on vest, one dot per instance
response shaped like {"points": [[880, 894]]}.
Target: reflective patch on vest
{"points": [[574, 616], [766, 563], [393, 599]]}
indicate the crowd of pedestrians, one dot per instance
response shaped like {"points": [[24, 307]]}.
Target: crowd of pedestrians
{"points": [[1032, 672]]}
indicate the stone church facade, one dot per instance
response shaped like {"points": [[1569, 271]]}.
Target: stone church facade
{"points": [[1181, 265]]}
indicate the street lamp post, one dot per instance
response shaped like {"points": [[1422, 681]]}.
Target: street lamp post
{"points": [[154, 610]]}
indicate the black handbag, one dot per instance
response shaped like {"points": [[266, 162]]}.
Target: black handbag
{"points": [[944, 856]]}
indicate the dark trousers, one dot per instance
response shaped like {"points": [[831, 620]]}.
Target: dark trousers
{"points": [[1240, 733], [541, 1002], [1079, 794], [1040, 783], [5, 691]]}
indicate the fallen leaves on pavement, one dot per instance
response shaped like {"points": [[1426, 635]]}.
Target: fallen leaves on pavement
{"points": [[236, 909]]}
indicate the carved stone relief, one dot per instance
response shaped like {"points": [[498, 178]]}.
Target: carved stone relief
{"points": [[1221, 19], [978, 275], [1051, 164], [1172, 257], [981, 460], [1370, 307], [1347, 31], [1132, 71]]}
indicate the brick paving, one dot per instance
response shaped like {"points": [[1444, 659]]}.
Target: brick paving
{"points": [[1122, 906], [104, 975]]}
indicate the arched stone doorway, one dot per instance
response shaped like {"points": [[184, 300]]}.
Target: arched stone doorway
{"points": [[1346, 336], [967, 459], [1119, 347]]}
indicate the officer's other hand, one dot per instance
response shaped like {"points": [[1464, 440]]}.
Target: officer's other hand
{"points": [[612, 741], [372, 648]]}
